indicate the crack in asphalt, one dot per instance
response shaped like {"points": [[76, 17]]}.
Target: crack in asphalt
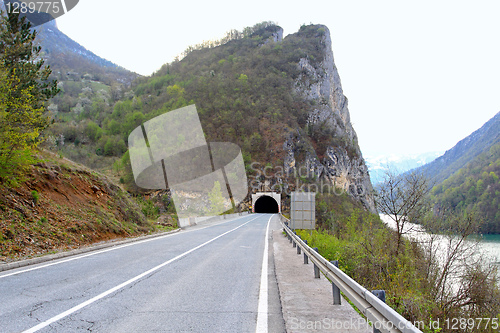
{"points": [[35, 308], [92, 324]]}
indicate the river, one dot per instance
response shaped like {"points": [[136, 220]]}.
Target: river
{"points": [[489, 245]]}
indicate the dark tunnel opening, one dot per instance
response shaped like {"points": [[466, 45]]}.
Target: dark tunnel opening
{"points": [[266, 204]]}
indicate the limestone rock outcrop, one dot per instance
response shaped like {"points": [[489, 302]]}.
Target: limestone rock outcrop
{"points": [[342, 164]]}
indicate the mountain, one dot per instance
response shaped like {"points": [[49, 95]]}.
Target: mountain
{"points": [[379, 164], [280, 99], [465, 151], [474, 187], [467, 176], [68, 59], [87, 82]]}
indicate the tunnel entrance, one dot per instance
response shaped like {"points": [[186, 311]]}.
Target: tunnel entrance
{"points": [[266, 204]]}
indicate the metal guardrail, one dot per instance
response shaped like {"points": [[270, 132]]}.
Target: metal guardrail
{"points": [[383, 317]]}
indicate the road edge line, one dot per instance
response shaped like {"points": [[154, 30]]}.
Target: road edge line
{"points": [[262, 310]]}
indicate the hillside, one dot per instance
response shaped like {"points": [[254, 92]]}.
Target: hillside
{"points": [[63, 205], [87, 82], [464, 151], [475, 186], [466, 176], [279, 99], [69, 60]]}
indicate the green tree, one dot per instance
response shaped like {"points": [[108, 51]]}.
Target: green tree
{"points": [[24, 89], [21, 59], [18, 137]]}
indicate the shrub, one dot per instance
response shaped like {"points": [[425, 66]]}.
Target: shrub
{"points": [[35, 196]]}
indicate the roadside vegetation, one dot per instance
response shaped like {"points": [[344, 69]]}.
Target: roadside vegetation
{"points": [[438, 277], [49, 203], [24, 89]]}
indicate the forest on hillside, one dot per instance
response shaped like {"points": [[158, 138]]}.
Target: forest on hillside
{"points": [[474, 187], [243, 88]]}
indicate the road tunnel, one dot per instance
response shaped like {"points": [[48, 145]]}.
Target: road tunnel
{"points": [[266, 204]]}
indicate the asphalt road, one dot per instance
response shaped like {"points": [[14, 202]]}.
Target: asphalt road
{"points": [[217, 278]]}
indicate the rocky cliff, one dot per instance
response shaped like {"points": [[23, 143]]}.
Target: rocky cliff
{"points": [[278, 98], [342, 164]]}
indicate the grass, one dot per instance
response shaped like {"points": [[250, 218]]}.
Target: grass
{"points": [[367, 252]]}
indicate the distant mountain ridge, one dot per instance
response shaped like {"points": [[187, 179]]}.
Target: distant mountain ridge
{"points": [[464, 151], [466, 177], [378, 165], [54, 41], [67, 57]]}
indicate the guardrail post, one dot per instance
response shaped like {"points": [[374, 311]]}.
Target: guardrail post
{"points": [[294, 244], [336, 291], [306, 258], [381, 295], [298, 247], [316, 268]]}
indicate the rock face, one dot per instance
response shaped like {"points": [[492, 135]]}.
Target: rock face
{"points": [[342, 164]]}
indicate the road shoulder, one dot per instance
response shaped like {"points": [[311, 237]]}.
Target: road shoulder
{"points": [[307, 303], [82, 250]]}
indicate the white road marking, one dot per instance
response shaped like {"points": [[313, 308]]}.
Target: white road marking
{"points": [[262, 310], [120, 286], [76, 257]]}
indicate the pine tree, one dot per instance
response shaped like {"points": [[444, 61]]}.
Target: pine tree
{"points": [[24, 89]]}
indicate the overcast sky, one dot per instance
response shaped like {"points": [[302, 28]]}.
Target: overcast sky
{"points": [[419, 76]]}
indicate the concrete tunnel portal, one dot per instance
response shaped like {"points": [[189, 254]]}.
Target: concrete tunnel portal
{"points": [[267, 203]]}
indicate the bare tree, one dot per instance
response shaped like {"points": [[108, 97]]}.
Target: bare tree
{"points": [[460, 279], [459, 274], [402, 197]]}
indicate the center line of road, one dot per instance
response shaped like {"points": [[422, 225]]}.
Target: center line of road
{"points": [[262, 309], [124, 284], [76, 257]]}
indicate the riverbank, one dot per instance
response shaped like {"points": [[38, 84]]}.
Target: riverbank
{"points": [[489, 245]]}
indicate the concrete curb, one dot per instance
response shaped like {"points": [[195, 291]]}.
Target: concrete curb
{"points": [[49, 257]]}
